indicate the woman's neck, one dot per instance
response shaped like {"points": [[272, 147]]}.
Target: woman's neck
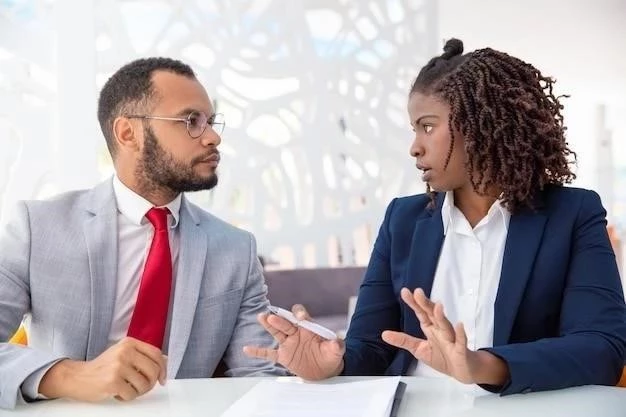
{"points": [[473, 205]]}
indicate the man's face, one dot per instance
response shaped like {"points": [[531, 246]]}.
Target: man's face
{"points": [[169, 156], [163, 169]]}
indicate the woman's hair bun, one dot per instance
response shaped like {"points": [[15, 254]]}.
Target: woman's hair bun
{"points": [[452, 48]]}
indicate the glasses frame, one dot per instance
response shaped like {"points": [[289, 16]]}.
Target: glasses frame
{"points": [[186, 120]]}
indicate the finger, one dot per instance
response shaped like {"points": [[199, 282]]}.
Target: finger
{"points": [[461, 338], [137, 381], [125, 392], [282, 325], [279, 336], [422, 316], [261, 353], [402, 340], [153, 353], [446, 331], [146, 366], [300, 312], [263, 318], [424, 302]]}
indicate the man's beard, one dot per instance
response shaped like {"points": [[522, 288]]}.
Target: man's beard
{"points": [[157, 169]]}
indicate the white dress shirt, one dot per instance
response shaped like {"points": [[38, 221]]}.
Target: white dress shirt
{"points": [[135, 234], [468, 273]]}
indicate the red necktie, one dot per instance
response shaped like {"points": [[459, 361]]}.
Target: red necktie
{"points": [[153, 300]]}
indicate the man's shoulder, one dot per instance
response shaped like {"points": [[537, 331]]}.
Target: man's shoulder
{"points": [[65, 202], [215, 225]]}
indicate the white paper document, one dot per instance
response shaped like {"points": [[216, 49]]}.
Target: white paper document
{"points": [[294, 398]]}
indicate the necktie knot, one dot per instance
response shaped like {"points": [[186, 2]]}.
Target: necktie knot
{"points": [[158, 217]]}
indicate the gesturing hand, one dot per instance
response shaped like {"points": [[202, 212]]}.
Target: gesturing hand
{"points": [[299, 350], [445, 347]]}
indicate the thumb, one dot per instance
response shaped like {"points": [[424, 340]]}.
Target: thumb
{"points": [[300, 312], [401, 340]]}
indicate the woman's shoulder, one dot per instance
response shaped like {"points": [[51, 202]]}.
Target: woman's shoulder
{"points": [[414, 206], [559, 195], [413, 202]]}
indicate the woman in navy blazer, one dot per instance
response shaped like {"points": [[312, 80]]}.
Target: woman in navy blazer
{"points": [[488, 130]]}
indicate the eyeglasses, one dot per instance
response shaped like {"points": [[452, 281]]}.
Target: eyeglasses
{"points": [[196, 122]]}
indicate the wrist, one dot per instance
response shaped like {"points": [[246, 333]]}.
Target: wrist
{"points": [[57, 382], [488, 369]]}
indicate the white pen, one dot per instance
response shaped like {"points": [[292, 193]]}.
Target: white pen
{"points": [[305, 324]]}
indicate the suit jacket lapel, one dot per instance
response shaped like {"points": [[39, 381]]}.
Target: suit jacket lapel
{"points": [[522, 243], [191, 262], [423, 258], [424, 255], [100, 231]]}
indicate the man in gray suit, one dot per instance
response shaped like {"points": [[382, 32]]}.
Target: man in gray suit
{"points": [[120, 299]]}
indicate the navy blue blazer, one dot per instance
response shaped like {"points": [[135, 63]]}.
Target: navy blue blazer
{"points": [[560, 318]]}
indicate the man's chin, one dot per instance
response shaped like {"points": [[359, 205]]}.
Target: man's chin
{"points": [[202, 185], [197, 184]]}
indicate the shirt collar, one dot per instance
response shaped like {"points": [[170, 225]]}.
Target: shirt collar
{"points": [[496, 209], [134, 207]]}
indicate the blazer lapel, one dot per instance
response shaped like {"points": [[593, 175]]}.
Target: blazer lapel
{"points": [[522, 243], [424, 255], [191, 262], [100, 232], [423, 258]]}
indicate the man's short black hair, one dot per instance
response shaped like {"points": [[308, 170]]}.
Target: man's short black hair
{"points": [[130, 87]]}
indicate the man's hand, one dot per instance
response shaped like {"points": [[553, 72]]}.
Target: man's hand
{"points": [[300, 351], [445, 346], [125, 371]]}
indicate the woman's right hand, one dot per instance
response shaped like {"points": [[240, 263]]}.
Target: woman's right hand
{"points": [[301, 351]]}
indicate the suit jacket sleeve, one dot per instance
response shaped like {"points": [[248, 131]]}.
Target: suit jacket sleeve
{"points": [[17, 363], [592, 343], [248, 331], [377, 310]]}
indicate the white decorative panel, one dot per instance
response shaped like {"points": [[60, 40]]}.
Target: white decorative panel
{"points": [[314, 93]]}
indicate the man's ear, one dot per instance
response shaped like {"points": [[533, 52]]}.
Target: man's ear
{"points": [[126, 134]]}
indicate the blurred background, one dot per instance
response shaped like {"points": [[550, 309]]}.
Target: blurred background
{"points": [[314, 94]]}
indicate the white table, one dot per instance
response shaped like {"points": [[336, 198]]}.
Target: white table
{"points": [[424, 397]]}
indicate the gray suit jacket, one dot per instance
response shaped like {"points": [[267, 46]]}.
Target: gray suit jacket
{"points": [[58, 261]]}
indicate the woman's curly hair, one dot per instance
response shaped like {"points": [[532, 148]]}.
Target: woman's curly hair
{"points": [[509, 118]]}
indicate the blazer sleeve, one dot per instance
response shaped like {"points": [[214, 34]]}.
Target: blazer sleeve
{"points": [[377, 310], [591, 346], [248, 331], [17, 363]]}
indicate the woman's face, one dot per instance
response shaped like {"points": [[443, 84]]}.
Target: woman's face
{"points": [[429, 116]]}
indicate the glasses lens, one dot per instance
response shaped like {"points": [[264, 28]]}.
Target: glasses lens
{"points": [[217, 123], [196, 123]]}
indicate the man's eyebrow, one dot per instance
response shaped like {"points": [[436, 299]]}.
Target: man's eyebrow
{"points": [[188, 110]]}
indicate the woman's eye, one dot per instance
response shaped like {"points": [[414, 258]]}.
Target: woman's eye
{"points": [[428, 128]]}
